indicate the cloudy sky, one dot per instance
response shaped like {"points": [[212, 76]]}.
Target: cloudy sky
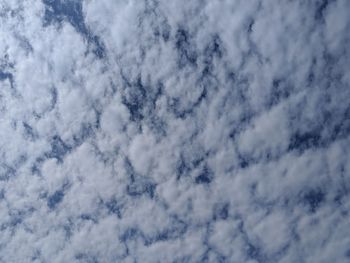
{"points": [[174, 131]]}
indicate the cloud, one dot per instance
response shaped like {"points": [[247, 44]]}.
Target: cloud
{"points": [[157, 131]]}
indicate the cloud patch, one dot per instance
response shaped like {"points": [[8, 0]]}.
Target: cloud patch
{"points": [[157, 131]]}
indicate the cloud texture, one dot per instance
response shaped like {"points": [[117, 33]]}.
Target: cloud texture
{"points": [[174, 131]]}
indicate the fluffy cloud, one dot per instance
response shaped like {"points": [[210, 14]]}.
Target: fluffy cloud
{"points": [[157, 131]]}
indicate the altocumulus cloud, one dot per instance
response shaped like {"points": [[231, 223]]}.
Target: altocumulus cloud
{"points": [[174, 131]]}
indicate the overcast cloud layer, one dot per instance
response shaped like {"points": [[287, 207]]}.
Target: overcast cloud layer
{"points": [[174, 131]]}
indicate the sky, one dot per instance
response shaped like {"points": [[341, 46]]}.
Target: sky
{"points": [[174, 131]]}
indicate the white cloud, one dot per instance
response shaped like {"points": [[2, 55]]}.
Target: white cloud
{"points": [[175, 131]]}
